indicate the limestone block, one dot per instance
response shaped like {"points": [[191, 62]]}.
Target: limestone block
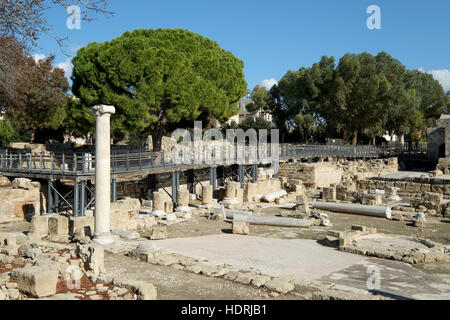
{"points": [[232, 190], [93, 257], [207, 194], [36, 281], [218, 214], [298, 188], [85, 223], [159, 233], [124, 214], [22, 183], [183, 198], [279, 285], [4, 182], [58, 225], [329, 194], [39, 225], [158, 201], [240, 227], [168, 207], [433, 197]]}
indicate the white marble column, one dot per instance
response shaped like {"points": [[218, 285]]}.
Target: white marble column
{"points": [[102, 232]]}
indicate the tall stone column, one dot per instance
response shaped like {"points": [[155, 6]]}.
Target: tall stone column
{"points": [[102, 233]]}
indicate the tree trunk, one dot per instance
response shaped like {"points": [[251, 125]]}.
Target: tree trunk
{"points": [[344, 135], [158, 133], [355, 137], [33, 134]]}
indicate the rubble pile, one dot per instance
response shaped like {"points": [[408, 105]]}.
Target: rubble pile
{"points": [[36, 269]]}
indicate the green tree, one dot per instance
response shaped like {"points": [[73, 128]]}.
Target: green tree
{"points": [[158, 77], [260, 100], [307, 125], [7, 133], [363, 94], [38, 101], [79, 120]]}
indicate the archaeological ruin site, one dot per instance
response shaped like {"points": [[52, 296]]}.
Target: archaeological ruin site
{"points": [[323, 223], [224, 159]]}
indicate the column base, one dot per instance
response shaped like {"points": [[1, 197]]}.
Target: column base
{"points": [[229, 201], [105, 238], [159, 213], [183, 209]]}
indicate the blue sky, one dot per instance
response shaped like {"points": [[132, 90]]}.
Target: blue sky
{"points": [[272, 37]]}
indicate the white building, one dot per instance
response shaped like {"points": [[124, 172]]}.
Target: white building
{"points": [[244, 114]]}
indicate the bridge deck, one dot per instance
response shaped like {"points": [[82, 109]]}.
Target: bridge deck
{"points": [[82, 165]]}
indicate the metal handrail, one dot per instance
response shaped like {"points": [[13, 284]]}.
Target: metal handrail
{"points": [[122, 162]]}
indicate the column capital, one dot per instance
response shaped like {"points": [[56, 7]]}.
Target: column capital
{"points": [[101, 110]]}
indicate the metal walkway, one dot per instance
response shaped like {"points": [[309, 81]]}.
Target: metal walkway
{"points": [[77, 170]]}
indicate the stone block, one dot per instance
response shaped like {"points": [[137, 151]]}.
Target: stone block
{"points": [[329, 194], [433, 197], [279, 285], [85, 223], [159, 233], [58, 225], [93, 257], [36, 281], [39, 225], [240, 227], [4, 182], [22, 183]]}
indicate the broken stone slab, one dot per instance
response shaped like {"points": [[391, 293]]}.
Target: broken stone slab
{"points": [[271, 197], [260, 280], [86, 223], [129, 235], [171, 217], [325, 223], [273, 221], [36, 281], [4, 278], [58, 225], [22, 183], [159, 233], [374, 211], [39, 226], [93, 257], [144, 290], [240, 226], [4, 182], [12, 238], [10, 250], [144, 251], [280, 285]]}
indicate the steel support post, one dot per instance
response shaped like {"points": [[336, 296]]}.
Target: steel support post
{"points": [[241, 174], [55, 199], [213, 179], [76, 200], [175, 186], [83, 198], [113, 189], [50, 197], [254, 173]]}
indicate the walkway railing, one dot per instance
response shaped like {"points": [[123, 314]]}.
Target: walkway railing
{"points": [[83, 164]]}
